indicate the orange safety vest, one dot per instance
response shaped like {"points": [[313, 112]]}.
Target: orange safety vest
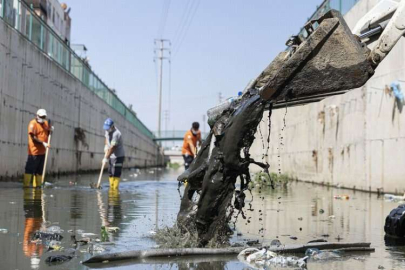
{"points": [[190, 136], [41, 131]]}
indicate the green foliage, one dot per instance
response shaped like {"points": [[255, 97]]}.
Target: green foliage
{"points": [[174, 166], [104, 235], [262, 179]]}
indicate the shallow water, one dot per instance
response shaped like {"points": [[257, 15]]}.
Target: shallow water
{"points": [[150, 199]]}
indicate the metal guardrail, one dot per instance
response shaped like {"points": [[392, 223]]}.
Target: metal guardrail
{"points": [[174, 135], [22, 17]]}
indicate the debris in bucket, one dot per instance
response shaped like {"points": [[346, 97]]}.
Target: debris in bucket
{"points": [[58, 259], [259, 259]]}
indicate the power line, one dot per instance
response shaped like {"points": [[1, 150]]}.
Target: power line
{"points": [[187, 27], [182, 21], [185, 22], [163, 18]]}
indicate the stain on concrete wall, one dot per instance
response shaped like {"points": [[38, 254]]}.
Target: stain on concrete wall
{"points": [[30, 80], [358, 137]]}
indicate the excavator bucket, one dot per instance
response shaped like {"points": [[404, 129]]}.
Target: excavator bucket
{"points": [[326, 61]]}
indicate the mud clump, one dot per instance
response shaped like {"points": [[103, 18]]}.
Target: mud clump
{"points": [[213, 174]]}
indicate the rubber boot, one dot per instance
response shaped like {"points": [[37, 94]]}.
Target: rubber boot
{"points": [[116, 182], [111, 181], [27, 180], [113, 197], [37, 181]]}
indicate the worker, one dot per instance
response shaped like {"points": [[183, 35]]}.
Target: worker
{"points": [[191, 138], [114, 152], [38, 133]]}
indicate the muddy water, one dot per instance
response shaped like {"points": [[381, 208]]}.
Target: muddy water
{"points": [[150, 199]]}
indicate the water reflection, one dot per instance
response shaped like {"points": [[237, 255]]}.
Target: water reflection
{"points": [[34, 217], [151, 198], [114, 209]]}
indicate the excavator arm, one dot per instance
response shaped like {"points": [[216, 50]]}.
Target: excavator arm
{"points": [[328, 58], [385, 21], [344, 60]]}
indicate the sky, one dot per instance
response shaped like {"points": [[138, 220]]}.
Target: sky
{"points": [[217, 46]]}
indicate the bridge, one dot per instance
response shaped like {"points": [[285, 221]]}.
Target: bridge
{"points": [[173, 135]]}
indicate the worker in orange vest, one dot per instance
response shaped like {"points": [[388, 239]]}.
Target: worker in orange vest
{"points": [[189, 149], [38, 133]]}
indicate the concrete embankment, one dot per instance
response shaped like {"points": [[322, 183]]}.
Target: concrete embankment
{"points": [[355, 140], [30, 80]]}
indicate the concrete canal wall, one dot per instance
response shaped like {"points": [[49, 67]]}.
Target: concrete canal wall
{"points": [[29, 80], [356, 140]]}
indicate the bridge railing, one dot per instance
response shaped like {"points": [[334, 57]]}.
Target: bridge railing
{"points": [[175, 135], [23, 18]]}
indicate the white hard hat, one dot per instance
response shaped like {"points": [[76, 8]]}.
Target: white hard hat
{"points": [[41, 112]]}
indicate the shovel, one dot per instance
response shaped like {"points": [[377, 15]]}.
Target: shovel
{"points": [[101, 174], [46, 155]]}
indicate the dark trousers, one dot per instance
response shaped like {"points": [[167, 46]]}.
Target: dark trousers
{"points": [[115, 166], [187, 160], [35, 164]]}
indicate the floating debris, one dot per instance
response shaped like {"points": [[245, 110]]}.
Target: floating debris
{"points": [[53, 229], [2, 230], [260, 259], [96, 248], [112, 229], [275, 242], [38, 235], [58, 259], [88, 235], [317, 254], [55, 245]]}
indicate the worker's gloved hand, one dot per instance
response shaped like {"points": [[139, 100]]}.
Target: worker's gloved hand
{"points": [[52, 128], [105, 160], [45, 144]]}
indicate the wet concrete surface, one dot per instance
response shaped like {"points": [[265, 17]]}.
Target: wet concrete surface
{"points": [[150, 197]]}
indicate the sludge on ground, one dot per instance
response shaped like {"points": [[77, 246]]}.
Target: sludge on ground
{"points": [[299, 210]]}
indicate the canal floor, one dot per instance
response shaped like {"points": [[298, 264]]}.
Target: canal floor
{"points": [[148, 200]]}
